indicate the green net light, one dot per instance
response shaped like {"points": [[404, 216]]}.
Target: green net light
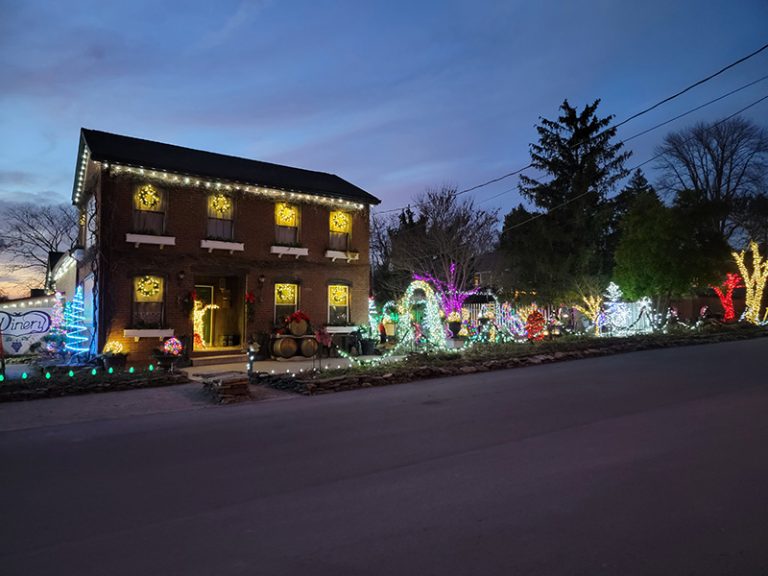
{"points": [[47, 375], [24, 376], [71, 373], [151, 367], [111, 370], [131, 370], [93, 372], [2, 377]]}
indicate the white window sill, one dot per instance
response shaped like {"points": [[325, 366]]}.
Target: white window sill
{"points": [[158, 333], [230, 247], [348, 255], [294, 251], [139, 239]]}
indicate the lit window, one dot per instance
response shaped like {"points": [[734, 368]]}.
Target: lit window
{"points": [[340, 226], [149, 210], [148, 292], [286, 224], [221, 215], [338, 304], [286, 300]]}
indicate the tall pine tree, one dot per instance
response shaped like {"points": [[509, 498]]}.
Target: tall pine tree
{"points": [[579, 166]]}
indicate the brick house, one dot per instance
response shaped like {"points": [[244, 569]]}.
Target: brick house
{"points": [[212, 249]]}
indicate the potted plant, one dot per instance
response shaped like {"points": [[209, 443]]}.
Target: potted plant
{"points": [[113, 355]]}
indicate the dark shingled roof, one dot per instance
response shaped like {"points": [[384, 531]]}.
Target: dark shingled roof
{"points": [[106, 147]]}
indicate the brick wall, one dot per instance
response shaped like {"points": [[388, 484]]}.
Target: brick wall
{"points": [[186, 219]]}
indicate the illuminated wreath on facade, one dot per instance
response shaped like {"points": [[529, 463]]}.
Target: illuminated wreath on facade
{"points": [[339, 221], [221, 204], [149, 197], [148, 286]]}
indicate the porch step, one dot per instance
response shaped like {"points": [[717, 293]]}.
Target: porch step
{"points": [[239, 358]]}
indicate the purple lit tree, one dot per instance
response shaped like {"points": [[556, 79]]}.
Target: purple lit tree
{"points": [[452, 296]]}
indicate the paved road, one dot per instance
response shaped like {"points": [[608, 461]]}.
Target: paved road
{"points": [[647, 463]]}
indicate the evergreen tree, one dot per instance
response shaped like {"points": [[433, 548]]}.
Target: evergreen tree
{"points": [[580, 166]]}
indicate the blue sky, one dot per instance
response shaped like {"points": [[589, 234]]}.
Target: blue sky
{"points": [[393, 96]]}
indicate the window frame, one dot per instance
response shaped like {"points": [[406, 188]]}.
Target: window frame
{"points": [[297, 299], [134, 302], [209, 218], [137, 211], [329, 286], [297, 228]]}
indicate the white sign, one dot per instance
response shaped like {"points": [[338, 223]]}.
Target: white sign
{"points": [[21, 330]]}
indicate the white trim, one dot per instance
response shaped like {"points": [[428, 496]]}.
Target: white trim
{"points": [[340, 329], [288, 251], [139, 239], [158, 333], [212, 245], [349, 255]]}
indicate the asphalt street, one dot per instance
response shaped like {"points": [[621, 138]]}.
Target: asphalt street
{"points": [[645, 463]]}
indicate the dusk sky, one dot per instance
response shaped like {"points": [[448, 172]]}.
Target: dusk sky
{"points": [[393, 96]]}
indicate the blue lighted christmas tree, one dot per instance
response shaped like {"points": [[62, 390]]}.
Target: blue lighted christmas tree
{"points": [[77, 333]]}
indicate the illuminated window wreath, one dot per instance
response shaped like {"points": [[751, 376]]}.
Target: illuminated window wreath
{"points": [[149, 197], [221, 204], [148, 286]]}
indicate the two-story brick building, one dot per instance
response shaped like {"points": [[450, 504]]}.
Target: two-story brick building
{"points": [[210, 248]]}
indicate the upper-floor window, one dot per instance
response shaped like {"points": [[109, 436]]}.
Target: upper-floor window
{"points": [[149, 205], [148, 293], [338, 304], [286, 223], [221, 217], [340, 226], [286, 300]]}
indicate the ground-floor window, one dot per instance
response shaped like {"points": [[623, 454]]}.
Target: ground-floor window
{"points": [[148, 296], [286, 300], [338, 304]]}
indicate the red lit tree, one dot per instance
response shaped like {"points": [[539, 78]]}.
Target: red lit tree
{"points": [[732, 281], [534, 326]]}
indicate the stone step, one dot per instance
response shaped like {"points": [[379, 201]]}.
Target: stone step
{"points": [[239, 358]]}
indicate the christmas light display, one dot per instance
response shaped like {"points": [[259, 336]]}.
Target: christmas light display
{"points": [[452, 297], [198, 324], [340, 222], [194, 182], [286, 215], [149, 286], [173, 347], [618, 314], [534, 326], [725, 294], [148, 197], [57, 334], [593, 310], [221, 204], [430, 332], [113, 347], [77, 333], [754, 282]]}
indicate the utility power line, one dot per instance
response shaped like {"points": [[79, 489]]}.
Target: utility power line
{"points": [[541, 214], [632, 117]]}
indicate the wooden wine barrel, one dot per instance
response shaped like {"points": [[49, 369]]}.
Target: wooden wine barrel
{"points": [[298, 327], [308, 347], [284, 347]]}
